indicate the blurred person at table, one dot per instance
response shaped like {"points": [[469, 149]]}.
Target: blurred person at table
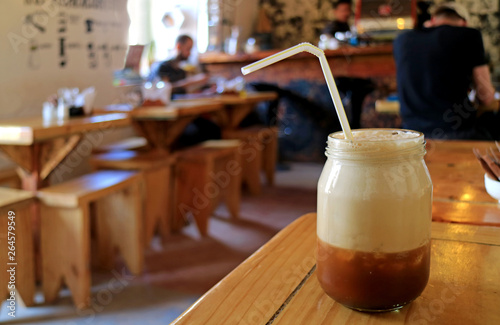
{"points": [[436, 66], [202, 128], [342, 12], [173, 71], [352, 90]]}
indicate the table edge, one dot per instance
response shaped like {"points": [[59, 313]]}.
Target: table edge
{"points": [[275, 238]]}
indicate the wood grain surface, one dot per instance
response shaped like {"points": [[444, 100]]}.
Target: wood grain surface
{"points": [[215, 57], [176, 109], [26, 131], [458, 181], [278, 285]]}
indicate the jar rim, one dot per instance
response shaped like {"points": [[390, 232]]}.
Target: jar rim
{"points": [[413, 135], [388, 144]]}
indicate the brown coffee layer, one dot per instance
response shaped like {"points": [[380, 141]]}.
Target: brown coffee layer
{"points": [[371, 280]]}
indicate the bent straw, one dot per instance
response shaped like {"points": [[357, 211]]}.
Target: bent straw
{"points": [[332, 87]]}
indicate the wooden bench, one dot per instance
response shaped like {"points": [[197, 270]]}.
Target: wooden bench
{"points": [[132, 143], [260, 152], [65, 229], [16, 210], [10, 178], [205, 175], [157, 170]]}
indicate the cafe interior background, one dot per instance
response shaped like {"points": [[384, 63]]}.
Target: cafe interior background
{"points": [[47, 45], [35, 61]]}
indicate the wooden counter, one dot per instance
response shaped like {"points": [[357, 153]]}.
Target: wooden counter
{"points": [[278, 284], [348, 61], [215, 57]]}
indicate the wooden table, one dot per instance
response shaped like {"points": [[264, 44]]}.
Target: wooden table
{"points": [[236, 107], [458, 180], [38, 147], [278, 284], [161, 125], [113, 108]]}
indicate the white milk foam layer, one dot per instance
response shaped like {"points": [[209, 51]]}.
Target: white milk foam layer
{"points": [[376, 207]]}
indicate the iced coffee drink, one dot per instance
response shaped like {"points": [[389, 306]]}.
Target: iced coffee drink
{"points": [[374, 219]]}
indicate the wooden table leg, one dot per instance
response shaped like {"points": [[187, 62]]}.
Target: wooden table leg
{"points": [[36, 162], [162, 134], [236, 114]]}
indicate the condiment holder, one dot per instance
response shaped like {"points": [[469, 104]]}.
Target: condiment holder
{"points": [[68, 103]]}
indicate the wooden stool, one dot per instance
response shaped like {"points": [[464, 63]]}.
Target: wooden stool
{"points": [[15, 211], [65, 229], [260, 153], [157, 170], [10, 178], [204, 175], [132, 143]]}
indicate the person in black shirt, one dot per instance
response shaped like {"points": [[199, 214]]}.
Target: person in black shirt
{"points": [[436, 66], [342, 12]]}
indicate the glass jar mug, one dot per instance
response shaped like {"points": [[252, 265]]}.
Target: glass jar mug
{"points": [[374, 219]]}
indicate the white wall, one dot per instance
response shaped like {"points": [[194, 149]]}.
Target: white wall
{"points": [[165, 37], [30, 60]]}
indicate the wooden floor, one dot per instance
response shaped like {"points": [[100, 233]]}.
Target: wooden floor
{"points": [[179, 272]]}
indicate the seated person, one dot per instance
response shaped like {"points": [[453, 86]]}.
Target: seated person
{"points": [[172, 71], [435, 67], [342, 11], [201, 129]]}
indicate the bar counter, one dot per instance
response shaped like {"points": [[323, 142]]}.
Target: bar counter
{"points": [[347, 61]]}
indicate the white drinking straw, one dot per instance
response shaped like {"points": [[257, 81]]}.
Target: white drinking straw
{"points": [[332, 87]]}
